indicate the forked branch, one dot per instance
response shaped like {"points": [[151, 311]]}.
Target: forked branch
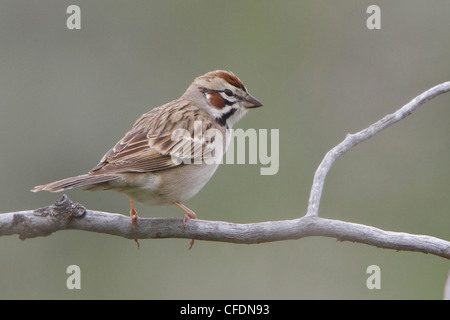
{"points": [[64, 214]]}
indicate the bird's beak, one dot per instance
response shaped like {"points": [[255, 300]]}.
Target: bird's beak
{"points": [[251, 102]]}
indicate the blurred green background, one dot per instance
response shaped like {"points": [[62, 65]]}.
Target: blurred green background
{"points": [[67, 96]]}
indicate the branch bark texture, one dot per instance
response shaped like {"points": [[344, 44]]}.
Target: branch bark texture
{"points": [[29, 225], [64, 214]]}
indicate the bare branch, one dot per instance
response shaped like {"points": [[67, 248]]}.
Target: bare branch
{"points": [[447, 288], [29, 224], [64, 214], [353, 139]]}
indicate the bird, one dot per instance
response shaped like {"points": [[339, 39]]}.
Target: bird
{"points": [[162, 160]]}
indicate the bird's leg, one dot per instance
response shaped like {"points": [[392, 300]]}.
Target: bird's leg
{"points": [[188, 215], [134, 216]]}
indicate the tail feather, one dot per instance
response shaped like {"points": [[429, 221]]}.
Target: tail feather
{"points": [[73, 182]]}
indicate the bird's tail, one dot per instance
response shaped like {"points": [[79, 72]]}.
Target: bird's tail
{"points": [[73, 182]]}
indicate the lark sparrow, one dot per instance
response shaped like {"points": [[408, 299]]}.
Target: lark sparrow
{"points": [[143, 164]]}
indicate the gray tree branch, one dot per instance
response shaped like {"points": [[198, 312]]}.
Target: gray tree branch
{"points": [[64, 214], [447, 288], [353, 139]]}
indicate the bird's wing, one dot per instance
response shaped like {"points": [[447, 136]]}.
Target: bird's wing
{"points": [[163, 138]]}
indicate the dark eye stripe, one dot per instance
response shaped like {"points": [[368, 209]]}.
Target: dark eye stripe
{"points": [[219, 100], [227, 101]]}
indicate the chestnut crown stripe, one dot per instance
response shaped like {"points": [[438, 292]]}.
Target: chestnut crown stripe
{"points": [[228, 77]]}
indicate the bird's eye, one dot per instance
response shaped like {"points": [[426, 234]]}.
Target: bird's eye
{"points": [[228, 92]]}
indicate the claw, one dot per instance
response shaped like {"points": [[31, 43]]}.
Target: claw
{"points": [[188, 215], [134, 216]]}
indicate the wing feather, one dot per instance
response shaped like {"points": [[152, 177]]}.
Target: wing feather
{"points": [[151, 145]]}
